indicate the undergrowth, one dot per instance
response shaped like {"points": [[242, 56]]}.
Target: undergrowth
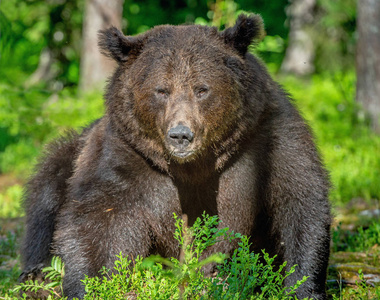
{"points": [[363, 239], [245, 275]]}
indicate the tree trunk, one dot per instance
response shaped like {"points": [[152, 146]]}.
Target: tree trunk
{"points": [[299, 55], [368, 60], [95, 67], [44, 70]]}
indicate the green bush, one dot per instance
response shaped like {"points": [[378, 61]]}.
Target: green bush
{"points": [[244, 276]]}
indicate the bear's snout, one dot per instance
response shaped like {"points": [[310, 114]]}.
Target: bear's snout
{"points": [[180, 137]]}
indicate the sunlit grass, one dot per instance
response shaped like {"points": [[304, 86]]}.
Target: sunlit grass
{"points": [[10, 201], [350, 150]]}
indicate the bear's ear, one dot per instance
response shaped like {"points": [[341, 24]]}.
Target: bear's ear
{"points": [[113, 43], [247, 29]]}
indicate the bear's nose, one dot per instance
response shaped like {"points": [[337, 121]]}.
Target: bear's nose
{"points": [[180, 135]]}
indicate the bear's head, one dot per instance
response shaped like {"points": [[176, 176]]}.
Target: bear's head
{"points": [[179, 94]]}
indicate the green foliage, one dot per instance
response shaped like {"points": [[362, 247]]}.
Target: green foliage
{"points": [[223, 14], [244, 276], [28, 27], [52, 284], [138, 16], [8, 246], [362, 239], [369, 237], [204, 233], [30, 118], [55, 272], [334, 35], [348, 147], [9, 264], [361, 292], [10, 201]]}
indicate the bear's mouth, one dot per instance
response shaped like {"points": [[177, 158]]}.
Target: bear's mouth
{"points": [[181, 154]]}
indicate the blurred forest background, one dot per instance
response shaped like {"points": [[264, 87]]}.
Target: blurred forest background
{"points": [[325, 53]]}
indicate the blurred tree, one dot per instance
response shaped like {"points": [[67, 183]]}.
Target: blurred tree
{"points": [[95, 67], [299, 57], [334, 35], [56, 25], [223, 13], [368, 59]]}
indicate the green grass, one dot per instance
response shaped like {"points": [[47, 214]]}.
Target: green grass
{"points": [[350, 150], [28, 120], [9, 258], [360, 240], [10, 200], [31, 118]]}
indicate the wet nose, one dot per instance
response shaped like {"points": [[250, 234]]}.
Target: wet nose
{"points": [[180, 135]]}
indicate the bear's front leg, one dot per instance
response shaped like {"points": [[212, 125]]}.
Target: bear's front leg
{"points": [[296, 203], [89, 237], [303, 239], [236, 205]]}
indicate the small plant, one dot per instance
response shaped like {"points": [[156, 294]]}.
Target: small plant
{"points": [[52, 284], [362, 240], [245, 275], [362, 290], [164, 278]]}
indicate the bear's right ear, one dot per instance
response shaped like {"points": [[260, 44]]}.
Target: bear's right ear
{"points": [[113, 43]]}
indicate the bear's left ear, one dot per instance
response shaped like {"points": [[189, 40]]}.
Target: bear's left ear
{"points": [[113, 43], [247, 29]]}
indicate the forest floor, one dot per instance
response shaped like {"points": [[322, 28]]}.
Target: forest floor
{"points": [[354, 266]]}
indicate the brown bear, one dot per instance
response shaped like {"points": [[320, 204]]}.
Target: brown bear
{"points": [[193, 123]]}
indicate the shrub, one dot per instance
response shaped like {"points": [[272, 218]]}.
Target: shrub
{"points": [[244, 276]]}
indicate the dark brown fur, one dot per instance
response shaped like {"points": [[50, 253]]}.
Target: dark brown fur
{"points": [[250, 159]]}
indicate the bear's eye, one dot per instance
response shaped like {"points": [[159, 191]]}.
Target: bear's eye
{"points": [[162, 93], [201, 92]]}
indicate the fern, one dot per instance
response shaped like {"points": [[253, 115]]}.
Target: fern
{"points": [[54, 273]]}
